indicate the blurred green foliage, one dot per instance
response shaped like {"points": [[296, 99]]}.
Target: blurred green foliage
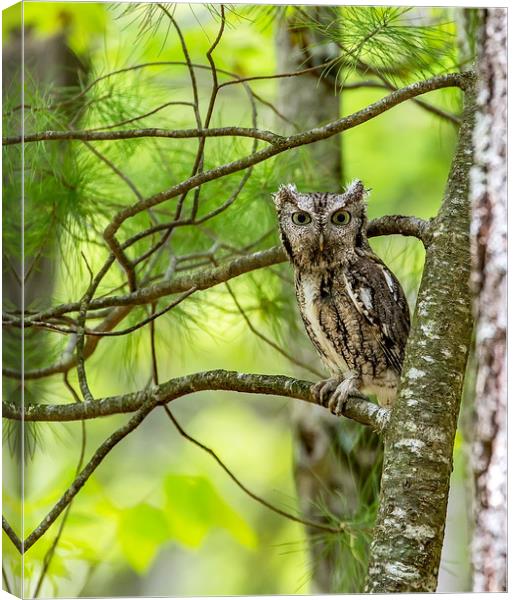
{"points": [[159, 517]]}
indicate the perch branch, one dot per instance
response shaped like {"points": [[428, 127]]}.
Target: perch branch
{"points": [[144, 401], [361, 410]]}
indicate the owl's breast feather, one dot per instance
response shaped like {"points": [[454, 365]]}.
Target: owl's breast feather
{"points": [[310, 303]]}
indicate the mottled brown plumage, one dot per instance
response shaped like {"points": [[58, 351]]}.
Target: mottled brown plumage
{"points": [[353, 307]]}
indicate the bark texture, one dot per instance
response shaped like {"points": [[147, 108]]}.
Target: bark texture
{"points": [[489, 257], [310, 101], [408, 536]]}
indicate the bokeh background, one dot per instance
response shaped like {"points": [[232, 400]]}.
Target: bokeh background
{"points": [[159, 517]]}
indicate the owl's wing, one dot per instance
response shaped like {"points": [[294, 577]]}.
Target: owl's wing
{"points": [[379, 298]]}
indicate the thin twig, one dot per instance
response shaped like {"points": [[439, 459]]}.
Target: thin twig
{"points": [[153, 348], [367, 68], [150, 319], [51, 551], [192, 220], [198, 161], [140, 117], [247, 491], [115, 169], [88, 470], [268, 341], [308, 70], [11, 535], [6, 581], [80, 338]]}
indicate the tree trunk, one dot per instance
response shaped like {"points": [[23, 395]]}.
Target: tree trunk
{"points": [[408, 536], [333, 458], [489, 258], [310, 100]]}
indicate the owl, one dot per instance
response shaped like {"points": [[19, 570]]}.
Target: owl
{"points": [[353, 307]]}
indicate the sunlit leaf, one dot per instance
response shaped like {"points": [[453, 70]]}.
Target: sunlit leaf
{"points": [[142, 529], [194, 507]]}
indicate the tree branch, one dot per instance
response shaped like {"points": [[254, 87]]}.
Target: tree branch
{"points": [[293, 141], [91, 135], [145, 408], [12, 535], [144, 401], [361, 410], [204, 279], [50, 553], [401, 225], [365, 68]]}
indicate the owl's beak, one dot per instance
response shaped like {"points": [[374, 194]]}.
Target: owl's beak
{"points": [[321, 242]]}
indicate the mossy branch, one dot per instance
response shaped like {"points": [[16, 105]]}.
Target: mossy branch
{"points": [[357, 408]]}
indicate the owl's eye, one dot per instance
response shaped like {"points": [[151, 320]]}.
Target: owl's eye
{"points": [[301, 218], [340, 217]]}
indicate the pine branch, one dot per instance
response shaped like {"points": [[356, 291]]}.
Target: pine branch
{"points": [[50, 553], [145, 408], [152, 132], [12, 535]]}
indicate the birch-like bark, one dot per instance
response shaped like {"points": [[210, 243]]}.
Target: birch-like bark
{"points": [[489, 258], [408, 536]]}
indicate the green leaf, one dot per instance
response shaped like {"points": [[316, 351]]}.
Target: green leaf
{"points": [[194, 507], [142, 529]]}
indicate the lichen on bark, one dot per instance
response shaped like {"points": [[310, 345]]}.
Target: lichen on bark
{"points": [[408, 535], [489, 245]]}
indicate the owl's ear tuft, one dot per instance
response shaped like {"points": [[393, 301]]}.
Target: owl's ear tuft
{"points": [[285, 192], [356, 191]]}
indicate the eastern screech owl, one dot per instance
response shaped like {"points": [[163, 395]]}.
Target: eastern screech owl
{"points": [[353, 307]]}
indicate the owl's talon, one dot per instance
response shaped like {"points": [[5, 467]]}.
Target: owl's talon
{"points": [[323, 390], [337, 404], [334, 393]]}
